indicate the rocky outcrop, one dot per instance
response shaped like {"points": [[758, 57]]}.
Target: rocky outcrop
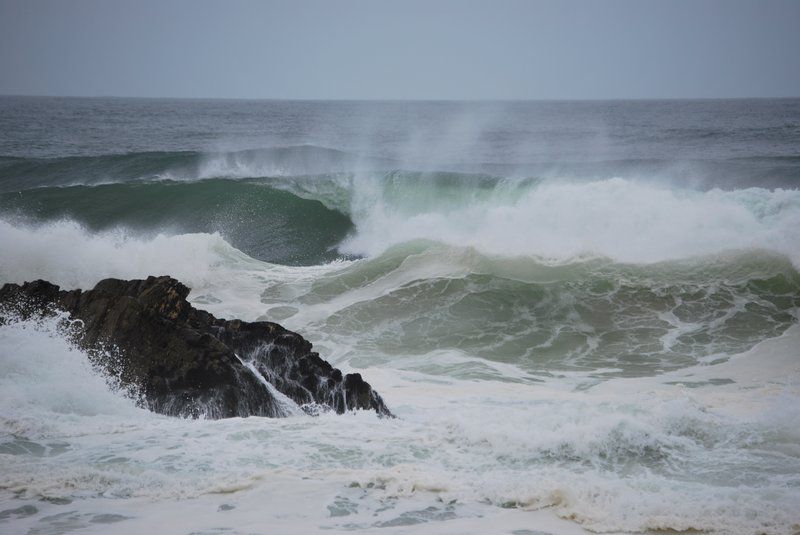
{"points": [[185, 362]]}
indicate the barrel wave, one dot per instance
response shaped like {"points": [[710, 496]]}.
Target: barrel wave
{"points": [[265, 222]]}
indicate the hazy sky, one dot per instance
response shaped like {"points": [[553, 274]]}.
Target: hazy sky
{"points": [[428, 49]]}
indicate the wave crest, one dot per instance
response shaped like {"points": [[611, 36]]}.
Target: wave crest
{"points": [[621, 219]]}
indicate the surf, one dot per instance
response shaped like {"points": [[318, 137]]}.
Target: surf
{"points": [[578, 328]]}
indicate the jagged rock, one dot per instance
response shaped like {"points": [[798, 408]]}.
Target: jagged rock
{"points": [[184, 361]]}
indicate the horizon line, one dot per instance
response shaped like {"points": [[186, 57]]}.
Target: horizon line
{"points": [[373, 99]]}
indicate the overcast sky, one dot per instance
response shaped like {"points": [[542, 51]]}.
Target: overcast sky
{"points": [[376, 49]]}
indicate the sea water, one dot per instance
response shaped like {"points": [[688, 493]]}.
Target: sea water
{"points": [[583, 314]]}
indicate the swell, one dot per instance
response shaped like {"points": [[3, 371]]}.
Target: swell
{"points": [[24, 173], [266, 223], [766, 171], [18, 173]]}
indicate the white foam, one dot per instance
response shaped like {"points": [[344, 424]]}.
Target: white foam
{"points": [[625, 220], [66, 253], [42, 374], [223, 279], [649, 456], [761, 383]]}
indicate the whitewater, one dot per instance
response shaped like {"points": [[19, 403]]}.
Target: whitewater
{"points": [[596, 335]]}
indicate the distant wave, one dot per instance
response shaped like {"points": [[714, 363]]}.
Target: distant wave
{"points": [[302, 160], [23, 173]]}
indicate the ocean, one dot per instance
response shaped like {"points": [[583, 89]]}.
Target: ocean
{"points": [[583, 314]]}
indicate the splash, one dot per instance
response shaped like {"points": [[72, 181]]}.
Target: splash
{"points": [[620, 219]]}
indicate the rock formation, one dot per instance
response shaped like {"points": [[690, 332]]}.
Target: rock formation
{"points": [[183, 361]]}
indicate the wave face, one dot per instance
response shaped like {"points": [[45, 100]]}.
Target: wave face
{"points": [[265, 222], [596, 317], [585, 315]]}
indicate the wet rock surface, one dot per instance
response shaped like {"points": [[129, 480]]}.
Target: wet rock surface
{"points": [[183, 361]]}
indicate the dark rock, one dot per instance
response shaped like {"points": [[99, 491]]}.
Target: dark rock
{"points": [[185, 362]]}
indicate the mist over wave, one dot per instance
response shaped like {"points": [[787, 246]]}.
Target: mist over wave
{"points": [[620, 219]]}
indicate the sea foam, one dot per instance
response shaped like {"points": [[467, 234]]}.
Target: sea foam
{"points": [[621, 219]]}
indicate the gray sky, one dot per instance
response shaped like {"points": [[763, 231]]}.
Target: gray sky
{"points": [[401, 50]]}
